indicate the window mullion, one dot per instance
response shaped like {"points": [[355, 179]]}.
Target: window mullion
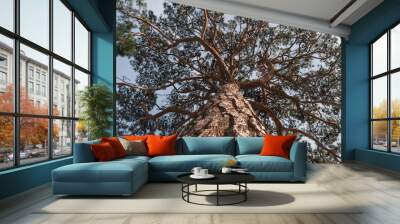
{"points": [[389, 104], [16, 85], [73, 82]]}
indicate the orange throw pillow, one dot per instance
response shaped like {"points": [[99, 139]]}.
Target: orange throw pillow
{"points": [[277, 145], [103, 152], [116, 145], [136, 137], [161, 145]]}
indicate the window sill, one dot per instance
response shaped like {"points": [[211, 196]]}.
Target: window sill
{"points": [[25, 167]]}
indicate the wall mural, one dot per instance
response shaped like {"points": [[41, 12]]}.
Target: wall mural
{"points": [[197, 72]]}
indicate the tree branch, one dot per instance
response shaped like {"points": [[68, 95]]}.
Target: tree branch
{"points": [[330, 151], [203, 32], [270, 113]]}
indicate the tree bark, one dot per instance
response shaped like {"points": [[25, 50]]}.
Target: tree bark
{"points": [[227, 113]]}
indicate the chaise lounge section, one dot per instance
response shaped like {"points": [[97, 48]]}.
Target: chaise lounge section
{"points": [[125, 176]]}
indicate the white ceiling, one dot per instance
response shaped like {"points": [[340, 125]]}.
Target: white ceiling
{"points": [[314, 15], [321, 9]]}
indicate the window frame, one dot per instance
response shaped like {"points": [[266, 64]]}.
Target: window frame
{"points": [[388, 74], [16, 114]]}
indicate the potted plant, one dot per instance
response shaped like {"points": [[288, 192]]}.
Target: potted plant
{"points": [[96, 102]]}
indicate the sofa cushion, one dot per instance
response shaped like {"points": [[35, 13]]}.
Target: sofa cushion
{"points": [[103, 152], [116, 145], [112, 171], [134, 147], [257, 163], [161, 145], [185, 163], [207, 145], [83, 152], [277, 145], [249, 145], [132, 158]]}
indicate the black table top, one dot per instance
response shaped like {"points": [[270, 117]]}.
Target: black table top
{"points": [[220, 178]]}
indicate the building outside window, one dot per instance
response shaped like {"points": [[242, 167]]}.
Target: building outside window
{"points": [[30, 87], [43, 90], [3, 78], [3, 61], [44, 77], [37, 75], [30, 72], [34, 74], [38, 89], [3, 72]]}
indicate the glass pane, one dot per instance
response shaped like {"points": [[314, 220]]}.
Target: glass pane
{"points": [[395, 136], [379, 97], [395, 95], [395, 47], [6, 142], [34, 97], [379, 135], [33, 139], [62, 138], [379, 55], [35, 21], [62, 29], [81, 82], [7, 14], [81, 131], [6, 74], [81, 45], [62, 89]]}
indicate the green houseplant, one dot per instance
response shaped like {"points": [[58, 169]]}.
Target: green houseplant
{"points": [[96, 102]]}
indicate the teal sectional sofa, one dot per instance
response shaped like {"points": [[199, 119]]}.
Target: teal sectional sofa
{"points": [[125, 176]]}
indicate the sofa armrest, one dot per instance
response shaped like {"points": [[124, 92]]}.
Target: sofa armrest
{"points": [[83, 152], [298, 155]]}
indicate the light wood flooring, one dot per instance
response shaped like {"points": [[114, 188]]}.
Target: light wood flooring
{"points": [[377, 188]]}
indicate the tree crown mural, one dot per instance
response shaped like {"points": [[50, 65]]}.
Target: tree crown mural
{"points": [[205, 73]]}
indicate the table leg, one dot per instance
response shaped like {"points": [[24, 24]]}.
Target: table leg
{"points": [[195, 188], [217, 194], [245, 193], [188, 189]]}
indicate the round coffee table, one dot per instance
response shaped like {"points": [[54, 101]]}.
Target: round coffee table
{"points": [[238, 179]]}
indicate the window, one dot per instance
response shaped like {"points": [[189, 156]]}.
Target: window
{"points": [[47, 75], [3, 61], [31, 72], [3, 72], [62, 74], [30, 88], [35, 21], [385, 94], [37, 89], [81, 82], [81, 45], [6, 73], [62, 137], [7, 14], [44, 91], [37, 74], [6, 142], [3, 78], [62, 29]]}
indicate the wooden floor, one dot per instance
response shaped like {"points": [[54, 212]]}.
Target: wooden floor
{"points": [[379, 189]]}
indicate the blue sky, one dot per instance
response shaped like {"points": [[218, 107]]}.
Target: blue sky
{"points": [[124, 68]]}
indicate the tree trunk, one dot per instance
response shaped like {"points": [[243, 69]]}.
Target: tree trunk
{"points": [[228, 113]]}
